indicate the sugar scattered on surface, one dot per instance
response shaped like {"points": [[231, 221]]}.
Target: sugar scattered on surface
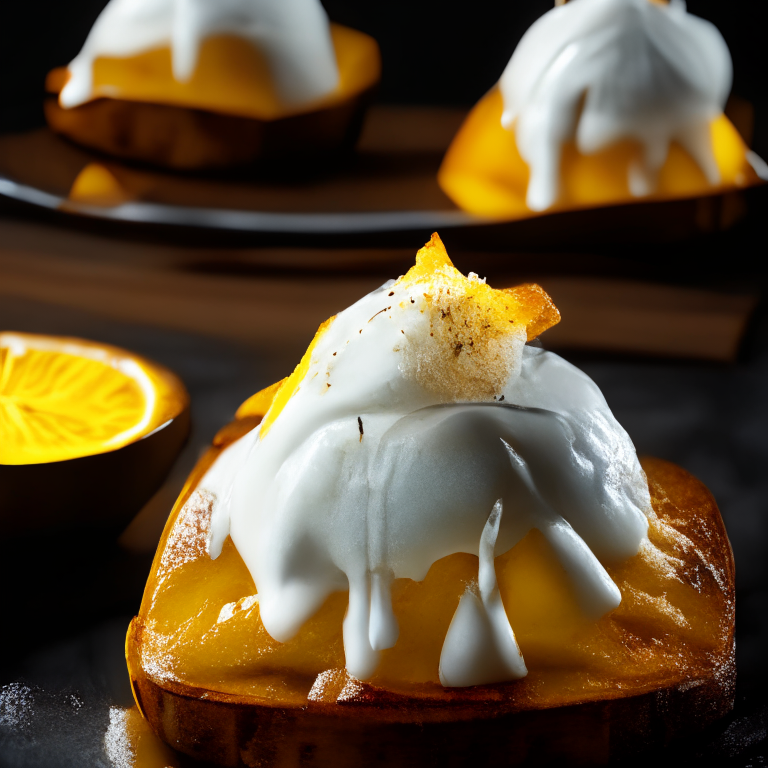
{"points": [[52, 729], [664, 564], [335, 685], [187, 542], [328, 685], [117, 743], [16, 706], [351, 690], [660, 604]]}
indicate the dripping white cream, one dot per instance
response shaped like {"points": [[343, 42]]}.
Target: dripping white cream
{"points": [[388, 457], [599, 71], [293, 35], [480, 646]]}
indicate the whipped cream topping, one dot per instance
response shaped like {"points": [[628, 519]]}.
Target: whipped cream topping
{"points": [[293, 35], [598, 71], [392, 453]]}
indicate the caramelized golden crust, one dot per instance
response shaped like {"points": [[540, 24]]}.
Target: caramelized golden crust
{"points": [[386, 732], [214, 685]]}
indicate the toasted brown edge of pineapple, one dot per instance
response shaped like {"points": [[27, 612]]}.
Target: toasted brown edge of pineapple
{"points": [[231, 731]]}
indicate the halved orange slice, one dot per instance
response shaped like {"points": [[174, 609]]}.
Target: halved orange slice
{"points": [[65, 398], [80, 422]]}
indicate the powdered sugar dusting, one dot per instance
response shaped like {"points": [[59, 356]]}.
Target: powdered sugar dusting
{"points": [[157, 658], [189, 538], [187, 542], [117, 743], [16, 703], [244, 604], [51, 728], [328, 685], [660, 604], [664, 564], [351, 691], [335, 685]]}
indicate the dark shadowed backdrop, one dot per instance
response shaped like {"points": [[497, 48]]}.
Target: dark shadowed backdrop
{"points": [[434, 52]]}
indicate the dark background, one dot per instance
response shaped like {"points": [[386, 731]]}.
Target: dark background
{"points": [[434, 52], [710, 418]]}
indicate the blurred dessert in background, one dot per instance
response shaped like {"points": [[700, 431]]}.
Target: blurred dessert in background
{"points": [[433, 538], [602, 102], [215, 83]]}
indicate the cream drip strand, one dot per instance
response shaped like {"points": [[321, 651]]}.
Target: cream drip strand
{"points": [[599, 71], [595, 590], [480, 646], [312, 508], [293, 35]]}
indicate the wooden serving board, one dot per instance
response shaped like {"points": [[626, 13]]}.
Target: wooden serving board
{"points": [[270, 300]]}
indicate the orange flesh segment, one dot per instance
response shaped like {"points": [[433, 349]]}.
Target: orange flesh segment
{"points": [[65, 398], [483, 172], [675, 618], [231, 77]]}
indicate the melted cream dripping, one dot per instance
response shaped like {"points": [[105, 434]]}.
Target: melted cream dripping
{"points": [[313, 509], [293, 35], [370, 625], [599, 71], [480, 646], [595, 590]]}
